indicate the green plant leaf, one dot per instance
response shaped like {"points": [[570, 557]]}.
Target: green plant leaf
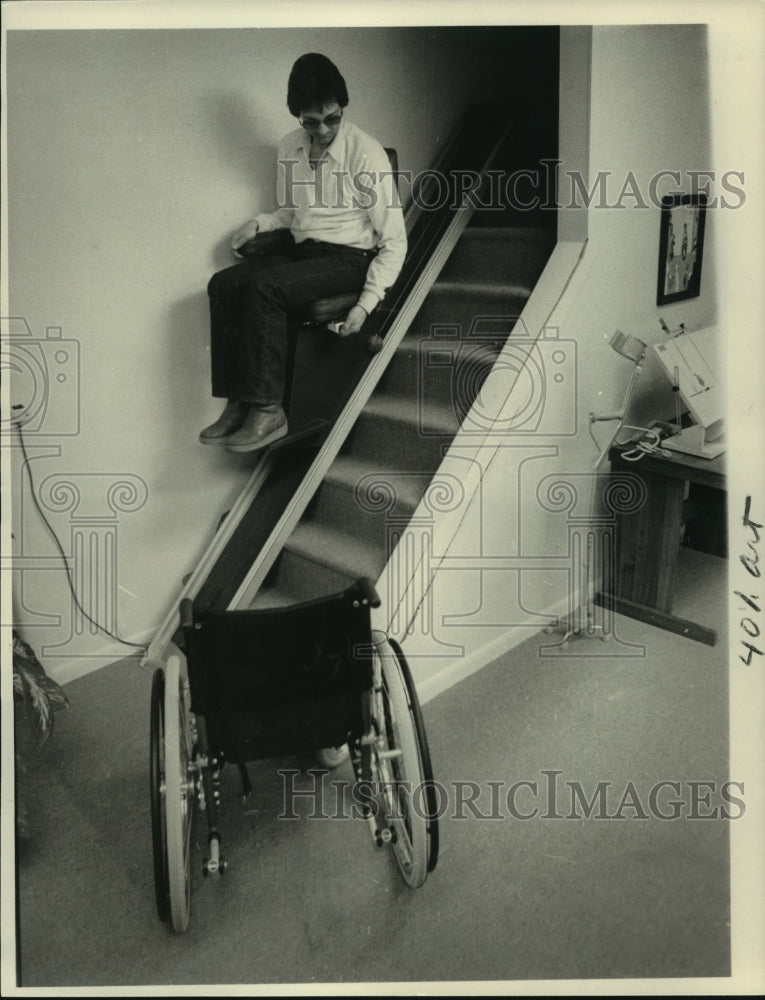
{"points": [[40, 693], [38, 707]]}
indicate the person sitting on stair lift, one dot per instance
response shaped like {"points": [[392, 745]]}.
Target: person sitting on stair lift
{"points": [[341, 230]]}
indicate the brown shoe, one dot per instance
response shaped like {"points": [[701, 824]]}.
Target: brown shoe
{"points": [[229, 421], [262, 426]]}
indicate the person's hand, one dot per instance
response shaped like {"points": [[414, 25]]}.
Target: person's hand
{"points": [[353, 321], [248, 232]]}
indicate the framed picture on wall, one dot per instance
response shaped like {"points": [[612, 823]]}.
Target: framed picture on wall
{"points": [[681, 246]]}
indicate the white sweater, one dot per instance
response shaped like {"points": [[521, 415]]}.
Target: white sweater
{"points": [[350, 199]]}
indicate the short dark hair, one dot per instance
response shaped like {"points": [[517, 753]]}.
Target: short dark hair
{"points": [[314, 81]]}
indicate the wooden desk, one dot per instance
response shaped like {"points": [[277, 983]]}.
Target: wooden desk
{"points": [[684, 501]]}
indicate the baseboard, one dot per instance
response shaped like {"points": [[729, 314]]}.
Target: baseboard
{"points": [[453, 672], [65, 669]]}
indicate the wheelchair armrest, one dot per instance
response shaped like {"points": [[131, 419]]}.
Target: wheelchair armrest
{"points": [[270, 242], [323, 311], [317, 313]]}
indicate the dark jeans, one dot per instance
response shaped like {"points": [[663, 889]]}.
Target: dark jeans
{"points": [[250, 305]]}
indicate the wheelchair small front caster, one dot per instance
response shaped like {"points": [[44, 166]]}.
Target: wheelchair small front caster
{"points": [[215, 864], [384, 836], [210, 867]]}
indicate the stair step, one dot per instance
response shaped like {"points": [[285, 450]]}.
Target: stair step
{"points": [[469, 309], [353, 476], [370, 506], [294, 579], [440, 368], [383, 444], [343, 554], [432, 415], [479, 289], [273, 597], [495, 255]]}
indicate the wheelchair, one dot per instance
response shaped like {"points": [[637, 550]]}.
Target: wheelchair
{"points": [[308, 679]]}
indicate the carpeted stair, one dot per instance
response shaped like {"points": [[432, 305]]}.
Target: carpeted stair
{"points": [[401, 436]]}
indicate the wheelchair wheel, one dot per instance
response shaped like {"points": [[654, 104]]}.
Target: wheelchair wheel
{"points": [[179, 793], [157, 776], [431, 799], [400, 769]]}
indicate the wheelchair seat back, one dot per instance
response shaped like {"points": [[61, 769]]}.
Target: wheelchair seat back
{"points": [[271, 682]]}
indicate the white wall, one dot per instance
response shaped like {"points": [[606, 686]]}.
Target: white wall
{"points": [[648, 111], [132, 155]]}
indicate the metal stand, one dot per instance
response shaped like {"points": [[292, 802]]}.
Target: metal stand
{"points": [[599, 530]]}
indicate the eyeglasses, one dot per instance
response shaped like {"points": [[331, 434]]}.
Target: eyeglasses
{"points": [[313, 124]]}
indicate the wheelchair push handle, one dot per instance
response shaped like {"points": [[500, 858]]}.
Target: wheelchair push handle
{"points": [[368, 593], [187, 612]]}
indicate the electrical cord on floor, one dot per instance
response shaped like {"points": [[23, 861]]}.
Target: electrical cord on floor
{"points": [[62, 554]]}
